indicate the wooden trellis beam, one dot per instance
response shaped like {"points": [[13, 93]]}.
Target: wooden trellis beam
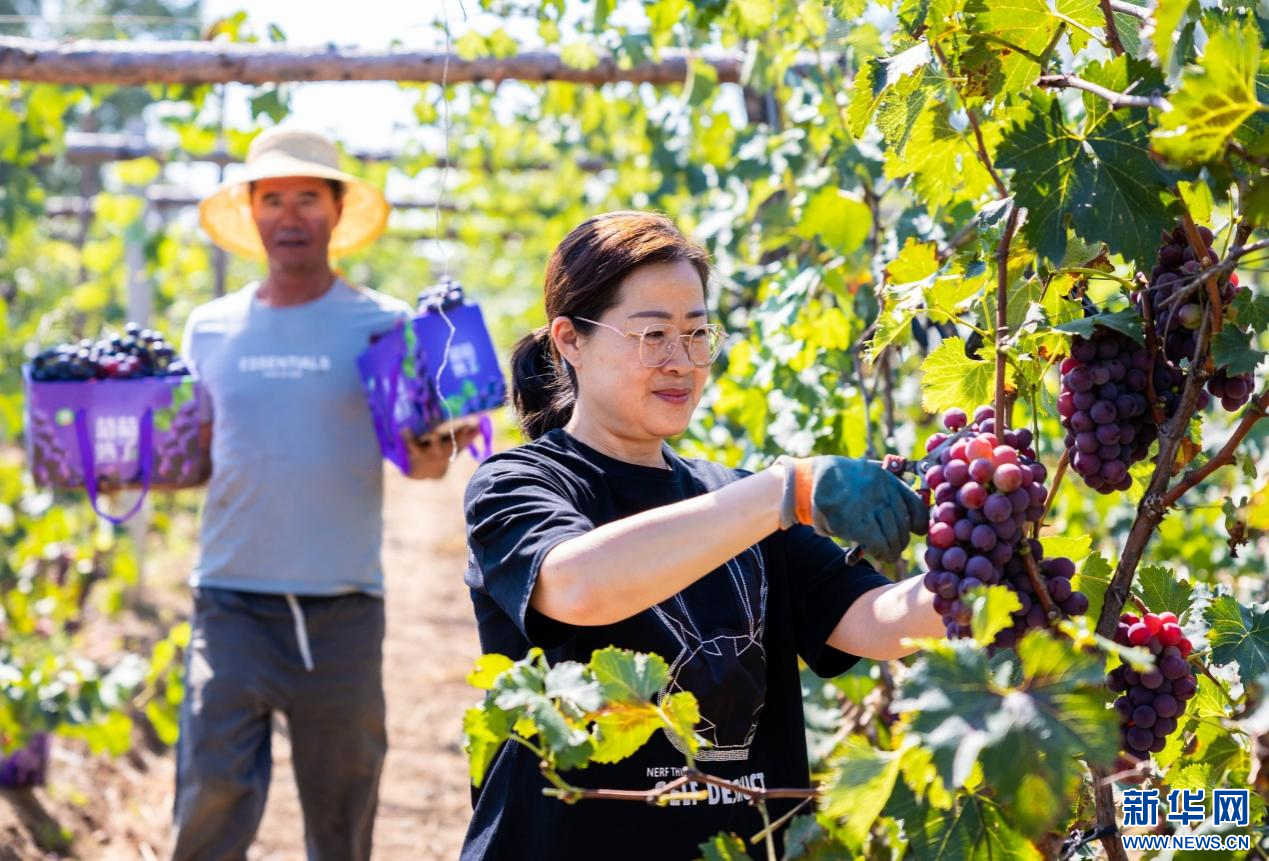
{"points": [[164, 197], [92, 148], [86, 62]]}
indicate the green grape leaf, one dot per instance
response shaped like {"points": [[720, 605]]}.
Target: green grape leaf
{"points": [[1099, 180], [1128, 322], [1018, 32], [1239, 634], [684, 714], [723, 847], [949, 378], [488, 668], [620, 730], [628, 677], [1214, 97], [993, 608], [1165, 24], [859, 785], [1075, 548], [835, 218], [974, 829], [1162, 590], [1251, 311], [1232, 350], [1026, 738], [1093, 580], [932, 146], [485, 728]]}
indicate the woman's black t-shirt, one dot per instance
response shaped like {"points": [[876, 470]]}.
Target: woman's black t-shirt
{"points": [[732, 638]]}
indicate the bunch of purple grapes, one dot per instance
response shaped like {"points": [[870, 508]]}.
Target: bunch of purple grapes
{"points": [[50, 463], [178, 455], [985, 493], [1105, 407], [1151, 703], [1177, 326], [136, 353]]}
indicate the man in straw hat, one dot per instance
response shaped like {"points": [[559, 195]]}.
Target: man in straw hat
{"points": [[288, 591]]}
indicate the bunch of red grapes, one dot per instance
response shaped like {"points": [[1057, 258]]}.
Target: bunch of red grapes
{"points": [[1151, 703], [1105, 407], [986, 491], [1177, 325]]}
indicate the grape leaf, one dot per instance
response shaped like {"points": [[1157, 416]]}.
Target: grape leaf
{"points": [[1214, 97], [485, 728], [1251, 311], [1232, 350], [1093, 580], [934, 144], [958, 710], [723, 847], [1099, 179], [1074, 548], [993, 608], [975, 829], [949, 378], [1239, 634], [1017, 31], [487, 669], [1163, 591], [626, 676], [1165, 23], [836, 219], [1127, 321], [858, 787], [620, 730]]}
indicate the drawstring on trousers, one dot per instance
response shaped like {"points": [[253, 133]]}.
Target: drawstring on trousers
{"points": [[301, 631]]}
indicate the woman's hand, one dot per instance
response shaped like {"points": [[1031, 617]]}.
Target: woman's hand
{"points": [[854, 499], [429, 456]]}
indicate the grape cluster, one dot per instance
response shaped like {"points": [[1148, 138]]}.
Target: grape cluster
{"points": [[1151, 703], [50, 462], [178, 455], [1176, 326], [985, 492], [136, 353], [1105, 406]]}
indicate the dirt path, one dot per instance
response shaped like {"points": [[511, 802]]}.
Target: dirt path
{"points": [[120, 809]]}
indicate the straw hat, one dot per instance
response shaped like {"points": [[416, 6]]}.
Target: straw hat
{"points": [[280, 152]]}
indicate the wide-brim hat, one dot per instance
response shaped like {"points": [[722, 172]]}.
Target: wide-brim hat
{"points": [[281, 152]]}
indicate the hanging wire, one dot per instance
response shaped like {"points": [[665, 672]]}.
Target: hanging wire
{"points": [[437, 218]]}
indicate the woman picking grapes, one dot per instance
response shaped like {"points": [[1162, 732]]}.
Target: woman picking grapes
{"points": [[597, 533]]}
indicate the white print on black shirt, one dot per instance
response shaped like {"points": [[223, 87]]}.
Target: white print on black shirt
{"points": [[726, 668], [717, 794], [283, 366]]}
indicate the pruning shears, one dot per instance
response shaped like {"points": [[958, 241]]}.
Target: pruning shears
{"points": [[902, 466]]}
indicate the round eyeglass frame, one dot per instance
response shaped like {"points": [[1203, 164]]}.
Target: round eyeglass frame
{"points": [[715, 330]]}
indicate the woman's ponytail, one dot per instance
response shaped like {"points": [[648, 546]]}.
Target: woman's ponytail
{"points": [[540, 391]]}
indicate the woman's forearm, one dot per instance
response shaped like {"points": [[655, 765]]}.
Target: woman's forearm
{"points": [[876, 623], [622, 568]]}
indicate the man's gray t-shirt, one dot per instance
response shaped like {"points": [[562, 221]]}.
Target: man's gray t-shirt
{"points": [[296, 494]]}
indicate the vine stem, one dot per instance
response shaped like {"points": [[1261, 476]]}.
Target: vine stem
{"points": [[1112, 29], [1256, 411], [1037, 582], [1152, 345], [1117, 100], [1207, 671], [1057, 482], [1002, 317], [1215, 270], [1204, 257]]}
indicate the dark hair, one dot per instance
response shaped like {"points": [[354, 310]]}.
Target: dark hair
{"points": [[336, 189], [583, 279]]}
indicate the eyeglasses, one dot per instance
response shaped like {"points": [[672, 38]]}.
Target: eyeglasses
{"points": [[657, 340]]}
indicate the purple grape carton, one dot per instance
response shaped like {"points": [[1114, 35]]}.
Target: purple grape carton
{"points": [[27, 766], [97, 434], [436, 370]]}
